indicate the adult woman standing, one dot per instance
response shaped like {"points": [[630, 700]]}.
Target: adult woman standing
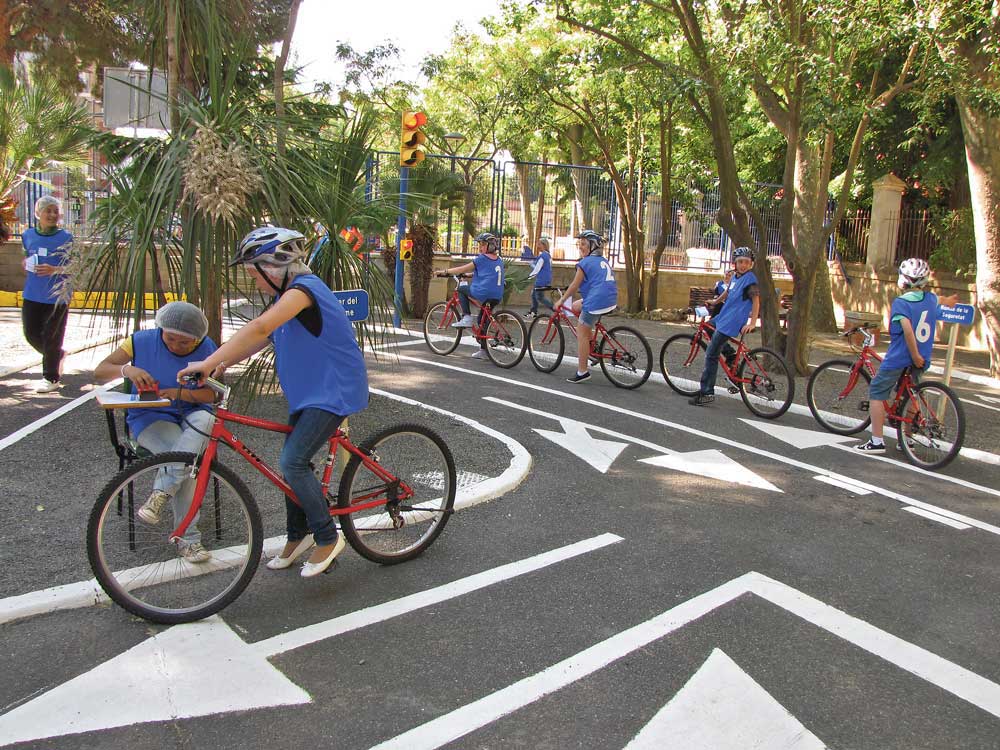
{"points": [[43, 316]]}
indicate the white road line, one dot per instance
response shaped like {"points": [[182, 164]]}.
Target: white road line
{"points": [[38, 424], [844, 485], [362, 618], [936, 517], [979, 403]]}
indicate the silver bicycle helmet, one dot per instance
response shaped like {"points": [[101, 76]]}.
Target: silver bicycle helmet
{"points": [[593, 239], [744, 252], [275, 246], [913, 272], [491, 240]]}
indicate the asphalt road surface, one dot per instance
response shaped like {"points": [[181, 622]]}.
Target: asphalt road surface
{"points": [[651, 575]]}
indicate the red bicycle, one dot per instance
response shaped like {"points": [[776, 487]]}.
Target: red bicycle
{"points": [[396, 493], [503, 330], [929, 418], [623, 352], [761, 376]]}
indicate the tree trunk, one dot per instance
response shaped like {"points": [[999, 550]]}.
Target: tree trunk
{"points": [[173, 67], [523, 172], [580, 178], [666, 203], [424, 238], [823, 318], [982, 153], [540, 214], [279, 105]]}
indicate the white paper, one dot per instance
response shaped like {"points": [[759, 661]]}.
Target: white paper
{"points": [[30, 262], [701, 311]]}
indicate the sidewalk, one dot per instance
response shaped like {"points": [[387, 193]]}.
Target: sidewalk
{"points": [[84, 329]]}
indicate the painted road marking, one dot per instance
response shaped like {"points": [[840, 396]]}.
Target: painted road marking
{"points": [[600, 454], [844, 485], [218, 671], [940, 672], [936, 517], [723, 708]]}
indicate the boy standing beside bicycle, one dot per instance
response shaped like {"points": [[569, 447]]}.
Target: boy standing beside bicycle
{"points": [[487, 283], [740, 308], [912, 319]]}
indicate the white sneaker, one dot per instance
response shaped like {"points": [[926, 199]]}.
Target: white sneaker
{"points": [[480, 354], [47, 386], [150, 511], [465, 322], [195, 553]]}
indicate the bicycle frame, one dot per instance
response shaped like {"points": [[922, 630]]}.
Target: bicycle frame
{"points": [[600, 333], [704, 336], [338, 440]]}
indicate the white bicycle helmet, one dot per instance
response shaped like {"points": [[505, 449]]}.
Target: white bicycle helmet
{"points": [[491, 240], [595, 240], [913, 272], [275, 246]]}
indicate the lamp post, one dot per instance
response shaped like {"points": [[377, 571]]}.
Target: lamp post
{"points": [[454, 140]]}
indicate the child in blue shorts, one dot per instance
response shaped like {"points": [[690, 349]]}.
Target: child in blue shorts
{"points": [[912, 320], [596, 282], [488, 279]]}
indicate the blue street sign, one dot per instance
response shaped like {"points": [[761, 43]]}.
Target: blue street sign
{"points": [[961, 314], [355, 302]]}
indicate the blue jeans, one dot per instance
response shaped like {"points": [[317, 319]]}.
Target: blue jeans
{"points": [[312, 430], [718, 344], [463, 299], [539, 295]]}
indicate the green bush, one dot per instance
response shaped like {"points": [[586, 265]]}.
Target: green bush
{"points": [[956, 250]]}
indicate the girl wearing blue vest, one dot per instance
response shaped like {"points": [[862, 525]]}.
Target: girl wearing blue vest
{"points": [[488, 276], [321, 371], [152, 358], [43, 316], [596, 282], [541, 272]]}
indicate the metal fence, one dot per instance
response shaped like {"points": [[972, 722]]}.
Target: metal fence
{"points": [[76, 194]]}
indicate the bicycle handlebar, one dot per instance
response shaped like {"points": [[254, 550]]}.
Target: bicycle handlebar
{"points": [[197, 379]]}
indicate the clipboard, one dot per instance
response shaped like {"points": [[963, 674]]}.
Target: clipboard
{"points": [[119, 400]]}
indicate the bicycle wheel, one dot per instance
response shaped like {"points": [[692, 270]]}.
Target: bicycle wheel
{"points": [[398, 529], [506, 339], [770, 386], [838, 397], [628, 360], [546, 343], [936, 428], [438, 332], [682, 362], [140, 569]]}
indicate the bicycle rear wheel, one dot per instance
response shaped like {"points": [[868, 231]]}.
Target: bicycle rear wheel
{"points": [[628, 359], [682, 362], [439, 334], [769, 386], [506, 339], [546, 343], [838, 397], [933, 436], [396, 530], [140, 569]]}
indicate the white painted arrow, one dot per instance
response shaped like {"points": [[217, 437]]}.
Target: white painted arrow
{"points": [[712, 464], [722, 708], [798, 437], [598, 453]]}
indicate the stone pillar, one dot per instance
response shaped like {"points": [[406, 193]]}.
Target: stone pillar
{"points": [[887, 199]]}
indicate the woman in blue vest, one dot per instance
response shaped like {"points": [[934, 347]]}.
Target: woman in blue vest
{"points": [[596, 282], [488, 277], [321, 370], [152, 358], [43, 315], [541, 272]]}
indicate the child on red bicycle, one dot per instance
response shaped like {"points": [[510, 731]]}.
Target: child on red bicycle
{"points": [[321, 371], [488, 277], [596, 282], [740, 308], [912, 320]]}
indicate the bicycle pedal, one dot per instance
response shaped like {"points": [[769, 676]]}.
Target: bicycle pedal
{"points": [[864, 405], [332, 565], [733, 390]]}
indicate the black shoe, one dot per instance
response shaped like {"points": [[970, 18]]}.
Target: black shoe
{"points": [[731, 361], [701, 399], [578, 378], [870, 447]]}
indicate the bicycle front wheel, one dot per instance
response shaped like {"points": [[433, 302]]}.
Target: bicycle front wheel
{"points": [[838, 397], [546, 343], [682, 362], [933, 425], [439, 334], [766, 383], [627, 359], [138, 566], [506, 339], [412, 488]]}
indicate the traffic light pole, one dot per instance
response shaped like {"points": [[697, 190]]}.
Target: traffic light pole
{"points": [[404, 175]]}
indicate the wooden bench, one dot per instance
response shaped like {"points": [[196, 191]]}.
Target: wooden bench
{"points": [[697, 297]]}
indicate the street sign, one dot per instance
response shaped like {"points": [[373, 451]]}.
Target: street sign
{"points": [[355, 302], [961, 314]]}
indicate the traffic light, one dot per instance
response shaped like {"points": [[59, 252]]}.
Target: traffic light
{"points": [[406, 249], [411, 139]]}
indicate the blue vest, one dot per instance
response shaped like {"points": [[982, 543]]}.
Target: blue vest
{"points": [[53, 250], [544, 275], [325, 371], [152, 355], [487, 282], [599, 290], [736, 309], [921, 308]]}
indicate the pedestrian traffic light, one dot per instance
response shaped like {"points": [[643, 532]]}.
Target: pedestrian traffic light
{"points": [[406, 249], [411, 139]]}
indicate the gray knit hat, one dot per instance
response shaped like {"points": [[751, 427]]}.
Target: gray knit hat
{"points": [[182, 318]]}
